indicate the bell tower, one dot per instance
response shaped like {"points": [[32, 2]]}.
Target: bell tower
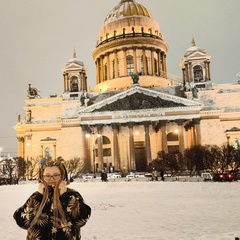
{"points": [[75, 75], [196, 68]]}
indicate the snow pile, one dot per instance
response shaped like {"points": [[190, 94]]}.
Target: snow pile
{"points": [[143, 210]]}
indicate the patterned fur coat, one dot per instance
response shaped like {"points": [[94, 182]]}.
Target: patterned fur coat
{"points": [[76, 211]]}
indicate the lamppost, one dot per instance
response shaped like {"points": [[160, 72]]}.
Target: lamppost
{"points": [[228, 148], [92, 132], [1, 164]]}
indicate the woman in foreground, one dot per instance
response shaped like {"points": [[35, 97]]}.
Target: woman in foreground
{"points": [[54, 212]]}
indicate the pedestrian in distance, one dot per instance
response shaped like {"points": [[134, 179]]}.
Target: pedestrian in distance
{"points": [[162, 175], [155, 175], [54, 211]]}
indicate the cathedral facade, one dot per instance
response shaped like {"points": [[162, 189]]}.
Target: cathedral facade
{"points": [[136, 108]]}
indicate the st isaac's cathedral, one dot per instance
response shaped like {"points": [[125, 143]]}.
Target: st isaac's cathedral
{"points": [[136, 108]]}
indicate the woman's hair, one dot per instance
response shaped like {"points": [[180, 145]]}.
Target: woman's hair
{"points": [[58, 212]]}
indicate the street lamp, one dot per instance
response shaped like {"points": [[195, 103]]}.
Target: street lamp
{"points": [[228, 148], [92, 132]]}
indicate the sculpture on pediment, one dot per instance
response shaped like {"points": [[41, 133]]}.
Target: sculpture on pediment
{"points": [[138, 101]]}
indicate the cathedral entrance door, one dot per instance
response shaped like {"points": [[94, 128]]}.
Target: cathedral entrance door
{"points": [[140, 157]]}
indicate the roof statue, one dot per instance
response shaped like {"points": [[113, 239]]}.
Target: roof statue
{"points": [[194, 90], [193, 42], [32, 92], [135, 78]]}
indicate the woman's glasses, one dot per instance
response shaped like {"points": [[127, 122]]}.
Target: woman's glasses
{"points": [[54, 177]]}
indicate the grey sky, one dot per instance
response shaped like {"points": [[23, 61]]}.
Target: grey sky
{"points": [[39, 36]]}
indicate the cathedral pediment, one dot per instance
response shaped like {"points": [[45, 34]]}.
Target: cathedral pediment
{"points": [[73, 65], [197, 54], [138, 98], [138, 101]]}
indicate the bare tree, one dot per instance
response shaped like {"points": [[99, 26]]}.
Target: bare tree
{"points": [[9, 164], [21, 167], [76, 165], [32, 168]]}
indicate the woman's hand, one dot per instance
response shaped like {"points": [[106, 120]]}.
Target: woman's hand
{"points": [[41, 187], [63, 187]]}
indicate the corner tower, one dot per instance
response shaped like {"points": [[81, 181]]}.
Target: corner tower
{"points": [[130, 42], [196, 67], [75, 75]]}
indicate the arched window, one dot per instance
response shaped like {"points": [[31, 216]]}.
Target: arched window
{"points": [[197, 73], [48, 153], [113, 67], [173, 144], [156, 66], [130, 65], [105, 140], [107, 151], [74, 84], [115, 74], [172, 136], [142, 66], [105, 71]]}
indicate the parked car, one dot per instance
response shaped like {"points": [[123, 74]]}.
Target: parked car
{"points": [[206, 176], [139, 175], [115, 175], [149, 176], [223, 177], [129, 177], [5, 181], [88, 176]]}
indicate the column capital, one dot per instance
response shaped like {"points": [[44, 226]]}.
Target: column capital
{"points": [[180, 121], [20, 139], [146, 123], [162, 123], [130, 124], [188, 126], [84, 127], [114, 125], [99, 127], [196, 121]]}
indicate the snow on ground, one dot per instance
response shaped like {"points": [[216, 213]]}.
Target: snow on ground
{"points": [[143, 210]]}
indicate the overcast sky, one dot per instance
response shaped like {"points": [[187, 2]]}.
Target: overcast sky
{"points": [[39, 36]]}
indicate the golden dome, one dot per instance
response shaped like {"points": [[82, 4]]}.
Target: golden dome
{"points": [[127, 8]]}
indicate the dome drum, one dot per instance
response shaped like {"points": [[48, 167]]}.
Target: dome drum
{"points": [[130, 43]]}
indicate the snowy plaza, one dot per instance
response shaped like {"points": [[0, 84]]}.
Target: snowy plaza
{"points": [[137, 210]]}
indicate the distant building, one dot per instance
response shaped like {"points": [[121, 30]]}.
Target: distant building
{"points": [[137, 108]]}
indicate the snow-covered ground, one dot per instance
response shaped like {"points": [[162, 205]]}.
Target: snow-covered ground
{"points": [[143, 210]]}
